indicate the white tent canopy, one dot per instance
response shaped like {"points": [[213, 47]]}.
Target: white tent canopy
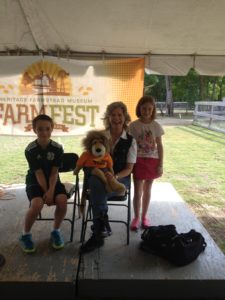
{"points": [[173, 35]]}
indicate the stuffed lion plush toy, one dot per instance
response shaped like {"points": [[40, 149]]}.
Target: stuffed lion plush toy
{"points": [[98, 161]]}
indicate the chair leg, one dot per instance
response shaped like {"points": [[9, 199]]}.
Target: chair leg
{"points": [[84, 226], [82, 229], [78, 202], [73, 216], [76, 199], [128, 234], [128, 217], [86, 218]]}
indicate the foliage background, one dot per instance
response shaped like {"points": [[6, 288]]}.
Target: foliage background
{"points": [[190, 88]]}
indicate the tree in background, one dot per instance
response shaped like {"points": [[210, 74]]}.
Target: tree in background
{"points": [[169, 96], [187, 88], [190, 88], [155, 85]]}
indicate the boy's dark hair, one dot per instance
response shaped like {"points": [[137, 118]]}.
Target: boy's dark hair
{"points": [[143, 100], [42, 117]]}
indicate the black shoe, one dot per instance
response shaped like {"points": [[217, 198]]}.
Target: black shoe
{"points": [[104, 231], [105, 228], [108, 228], [93, 243]]}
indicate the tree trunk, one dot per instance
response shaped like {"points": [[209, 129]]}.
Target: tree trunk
{"points": [[221, 90], [203, 89], [169, 96], [214, 89]]}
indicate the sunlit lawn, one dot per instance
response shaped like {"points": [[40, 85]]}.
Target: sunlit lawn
{"points": [[194, 164], [194, 161]]}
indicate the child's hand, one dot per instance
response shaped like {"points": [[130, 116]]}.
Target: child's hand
{"points": [[49, 198]]}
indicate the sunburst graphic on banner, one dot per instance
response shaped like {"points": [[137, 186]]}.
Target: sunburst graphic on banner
{"points": [[85, 91], [7, 89], [45, 78]]}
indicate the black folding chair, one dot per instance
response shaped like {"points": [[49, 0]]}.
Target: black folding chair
{"points": [[69, 161], [118, 201]]}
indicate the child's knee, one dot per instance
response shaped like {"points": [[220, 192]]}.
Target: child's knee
{"points": [[37, 204], [61, 201]]}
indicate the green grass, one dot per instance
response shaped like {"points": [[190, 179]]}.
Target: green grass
{"points": [[194, 163], [13, 166]]}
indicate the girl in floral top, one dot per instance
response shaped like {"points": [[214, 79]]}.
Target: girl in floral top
{"points": [[149, 166]]}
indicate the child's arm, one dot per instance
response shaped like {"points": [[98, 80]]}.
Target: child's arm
{"points": [[53, 177], [160, 153], [41, 179], [49, 195], [35, 166]]}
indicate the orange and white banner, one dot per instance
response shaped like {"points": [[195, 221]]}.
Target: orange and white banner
{"points": [[74, 93]]}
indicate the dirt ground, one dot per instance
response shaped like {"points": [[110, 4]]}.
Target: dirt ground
{"points": [[213, 219]]}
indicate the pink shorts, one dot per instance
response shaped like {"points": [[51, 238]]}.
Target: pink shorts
{"points": [[146, 168]]}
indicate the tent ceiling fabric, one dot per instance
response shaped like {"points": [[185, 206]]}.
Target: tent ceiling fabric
{"points": [[174, 35]]}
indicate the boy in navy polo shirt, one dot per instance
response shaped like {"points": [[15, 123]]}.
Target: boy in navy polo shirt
{"points": [[43, 185]]}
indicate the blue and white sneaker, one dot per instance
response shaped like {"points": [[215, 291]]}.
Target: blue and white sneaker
{"points": [[57, 240], [27, 243]]}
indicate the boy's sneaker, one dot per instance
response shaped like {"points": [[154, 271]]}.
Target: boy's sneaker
{"points": [[145, 223], [57, 240], [93, 243], [27, 243], [135, 224]]}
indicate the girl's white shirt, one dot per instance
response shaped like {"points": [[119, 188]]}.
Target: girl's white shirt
{"points": [[145, 135]]}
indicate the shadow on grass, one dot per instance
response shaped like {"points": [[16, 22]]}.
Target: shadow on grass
{"points": [[204, 133]]}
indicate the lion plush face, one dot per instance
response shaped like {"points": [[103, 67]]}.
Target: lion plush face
{"points": [[98, 149], [96, 142]]}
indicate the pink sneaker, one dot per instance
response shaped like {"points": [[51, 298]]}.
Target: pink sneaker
{"points": [[135, 224], [145, 222]]}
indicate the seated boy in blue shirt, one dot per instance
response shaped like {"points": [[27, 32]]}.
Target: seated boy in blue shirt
{"points": [[43, 184]]}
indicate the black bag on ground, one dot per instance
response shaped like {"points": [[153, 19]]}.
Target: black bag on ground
{"points": [[155, 236], [180, 249]]}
